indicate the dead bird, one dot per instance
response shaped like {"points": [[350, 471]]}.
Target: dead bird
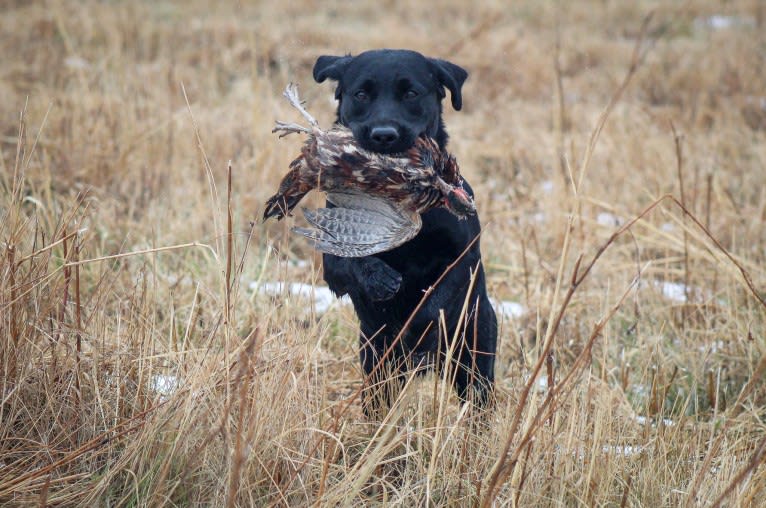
{"points": [[378, 198]]}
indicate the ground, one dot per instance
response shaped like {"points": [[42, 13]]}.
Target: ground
{"points": [[160, 346]]}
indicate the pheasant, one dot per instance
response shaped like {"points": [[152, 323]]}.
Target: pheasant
{"points": [[378, 198]]}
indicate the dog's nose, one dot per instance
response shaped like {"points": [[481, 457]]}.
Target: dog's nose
{"points": [[384, 135]]}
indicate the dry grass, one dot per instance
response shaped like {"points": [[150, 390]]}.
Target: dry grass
{"points": [[635, 377]]}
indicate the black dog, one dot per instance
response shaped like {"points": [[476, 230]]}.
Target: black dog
{"points": [[388, 98]]}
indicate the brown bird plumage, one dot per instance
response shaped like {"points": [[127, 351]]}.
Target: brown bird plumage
{"points": [[379, 198]]}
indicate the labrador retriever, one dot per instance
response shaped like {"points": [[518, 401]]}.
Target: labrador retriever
{"points": [[388, 98]]}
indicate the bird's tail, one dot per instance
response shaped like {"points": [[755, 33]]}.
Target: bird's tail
{"points": [[282, 204], [291, 191]]}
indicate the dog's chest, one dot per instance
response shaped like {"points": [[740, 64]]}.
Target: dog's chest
{"points": [[424, 258]]}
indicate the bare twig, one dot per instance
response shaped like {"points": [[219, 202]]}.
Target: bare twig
{"points": [[758, 457], [678, 141], [505, 464], [118, 431], [141, 252], [639, 55], [560, 116], [214, 201], [712, 452]]}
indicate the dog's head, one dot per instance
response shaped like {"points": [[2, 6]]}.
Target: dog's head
{"points": [[390, 97]]}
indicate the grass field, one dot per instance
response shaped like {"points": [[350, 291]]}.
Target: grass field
{"points": [[158, 348]]}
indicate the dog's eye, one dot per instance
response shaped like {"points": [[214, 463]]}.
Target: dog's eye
{"points": [[410, 94], [361, 96]]}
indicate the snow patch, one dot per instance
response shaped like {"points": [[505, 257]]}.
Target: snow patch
{"points": [[647, 420], [608, 219], [76, 63], [713, 347], [164, 385], [541, 383], [320, 297], [507, 308], [673, 291], [624, 450], [676, 291], [300, 263], [668, 227], [722, 22], [639, 390]]}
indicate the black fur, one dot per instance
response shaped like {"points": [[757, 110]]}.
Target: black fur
{"points": [[388, 98]]}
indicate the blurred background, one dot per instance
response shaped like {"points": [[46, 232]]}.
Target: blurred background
{"points": [[161, 346]]}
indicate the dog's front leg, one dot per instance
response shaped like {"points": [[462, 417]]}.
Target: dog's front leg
{"points": [[476, 331], [368, 276]]}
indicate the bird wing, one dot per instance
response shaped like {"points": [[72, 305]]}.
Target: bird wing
{"points": [[361, 225]]}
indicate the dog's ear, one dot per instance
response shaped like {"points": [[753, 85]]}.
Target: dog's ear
{"points": [[450, 76], [331, 67]]}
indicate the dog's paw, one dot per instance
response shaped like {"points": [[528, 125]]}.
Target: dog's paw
{"points": [[379, 281]]}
